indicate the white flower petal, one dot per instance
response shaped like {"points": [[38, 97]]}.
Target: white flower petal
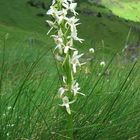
{"points": [[91, 50], [66, 104], [102, 64], [62, 91], [74, 68]]}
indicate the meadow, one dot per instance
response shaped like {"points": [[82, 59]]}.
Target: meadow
{"points": [[29, 76]]}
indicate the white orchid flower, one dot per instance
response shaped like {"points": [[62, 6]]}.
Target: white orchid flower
{"points": [[75, 61], [69, 47], [60, 15], [72, 22], [74, 35], [58, 38], [62, 91], [75, 89], [59, 41], [71, 7], [66, 103]]}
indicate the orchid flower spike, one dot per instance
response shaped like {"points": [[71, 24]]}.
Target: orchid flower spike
{"points": [[64, 26]]}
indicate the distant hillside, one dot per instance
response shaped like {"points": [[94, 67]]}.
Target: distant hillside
{"points": [[128, 9], [21, 20]]}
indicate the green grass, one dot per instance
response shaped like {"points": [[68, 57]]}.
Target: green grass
{"points": [[29, 79], [29, 99]]}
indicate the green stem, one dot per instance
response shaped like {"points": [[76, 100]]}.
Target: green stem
{"points": [[70, 127]]}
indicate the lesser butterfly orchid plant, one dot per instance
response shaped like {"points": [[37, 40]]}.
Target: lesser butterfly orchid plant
{"points": [[64, 26]]}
